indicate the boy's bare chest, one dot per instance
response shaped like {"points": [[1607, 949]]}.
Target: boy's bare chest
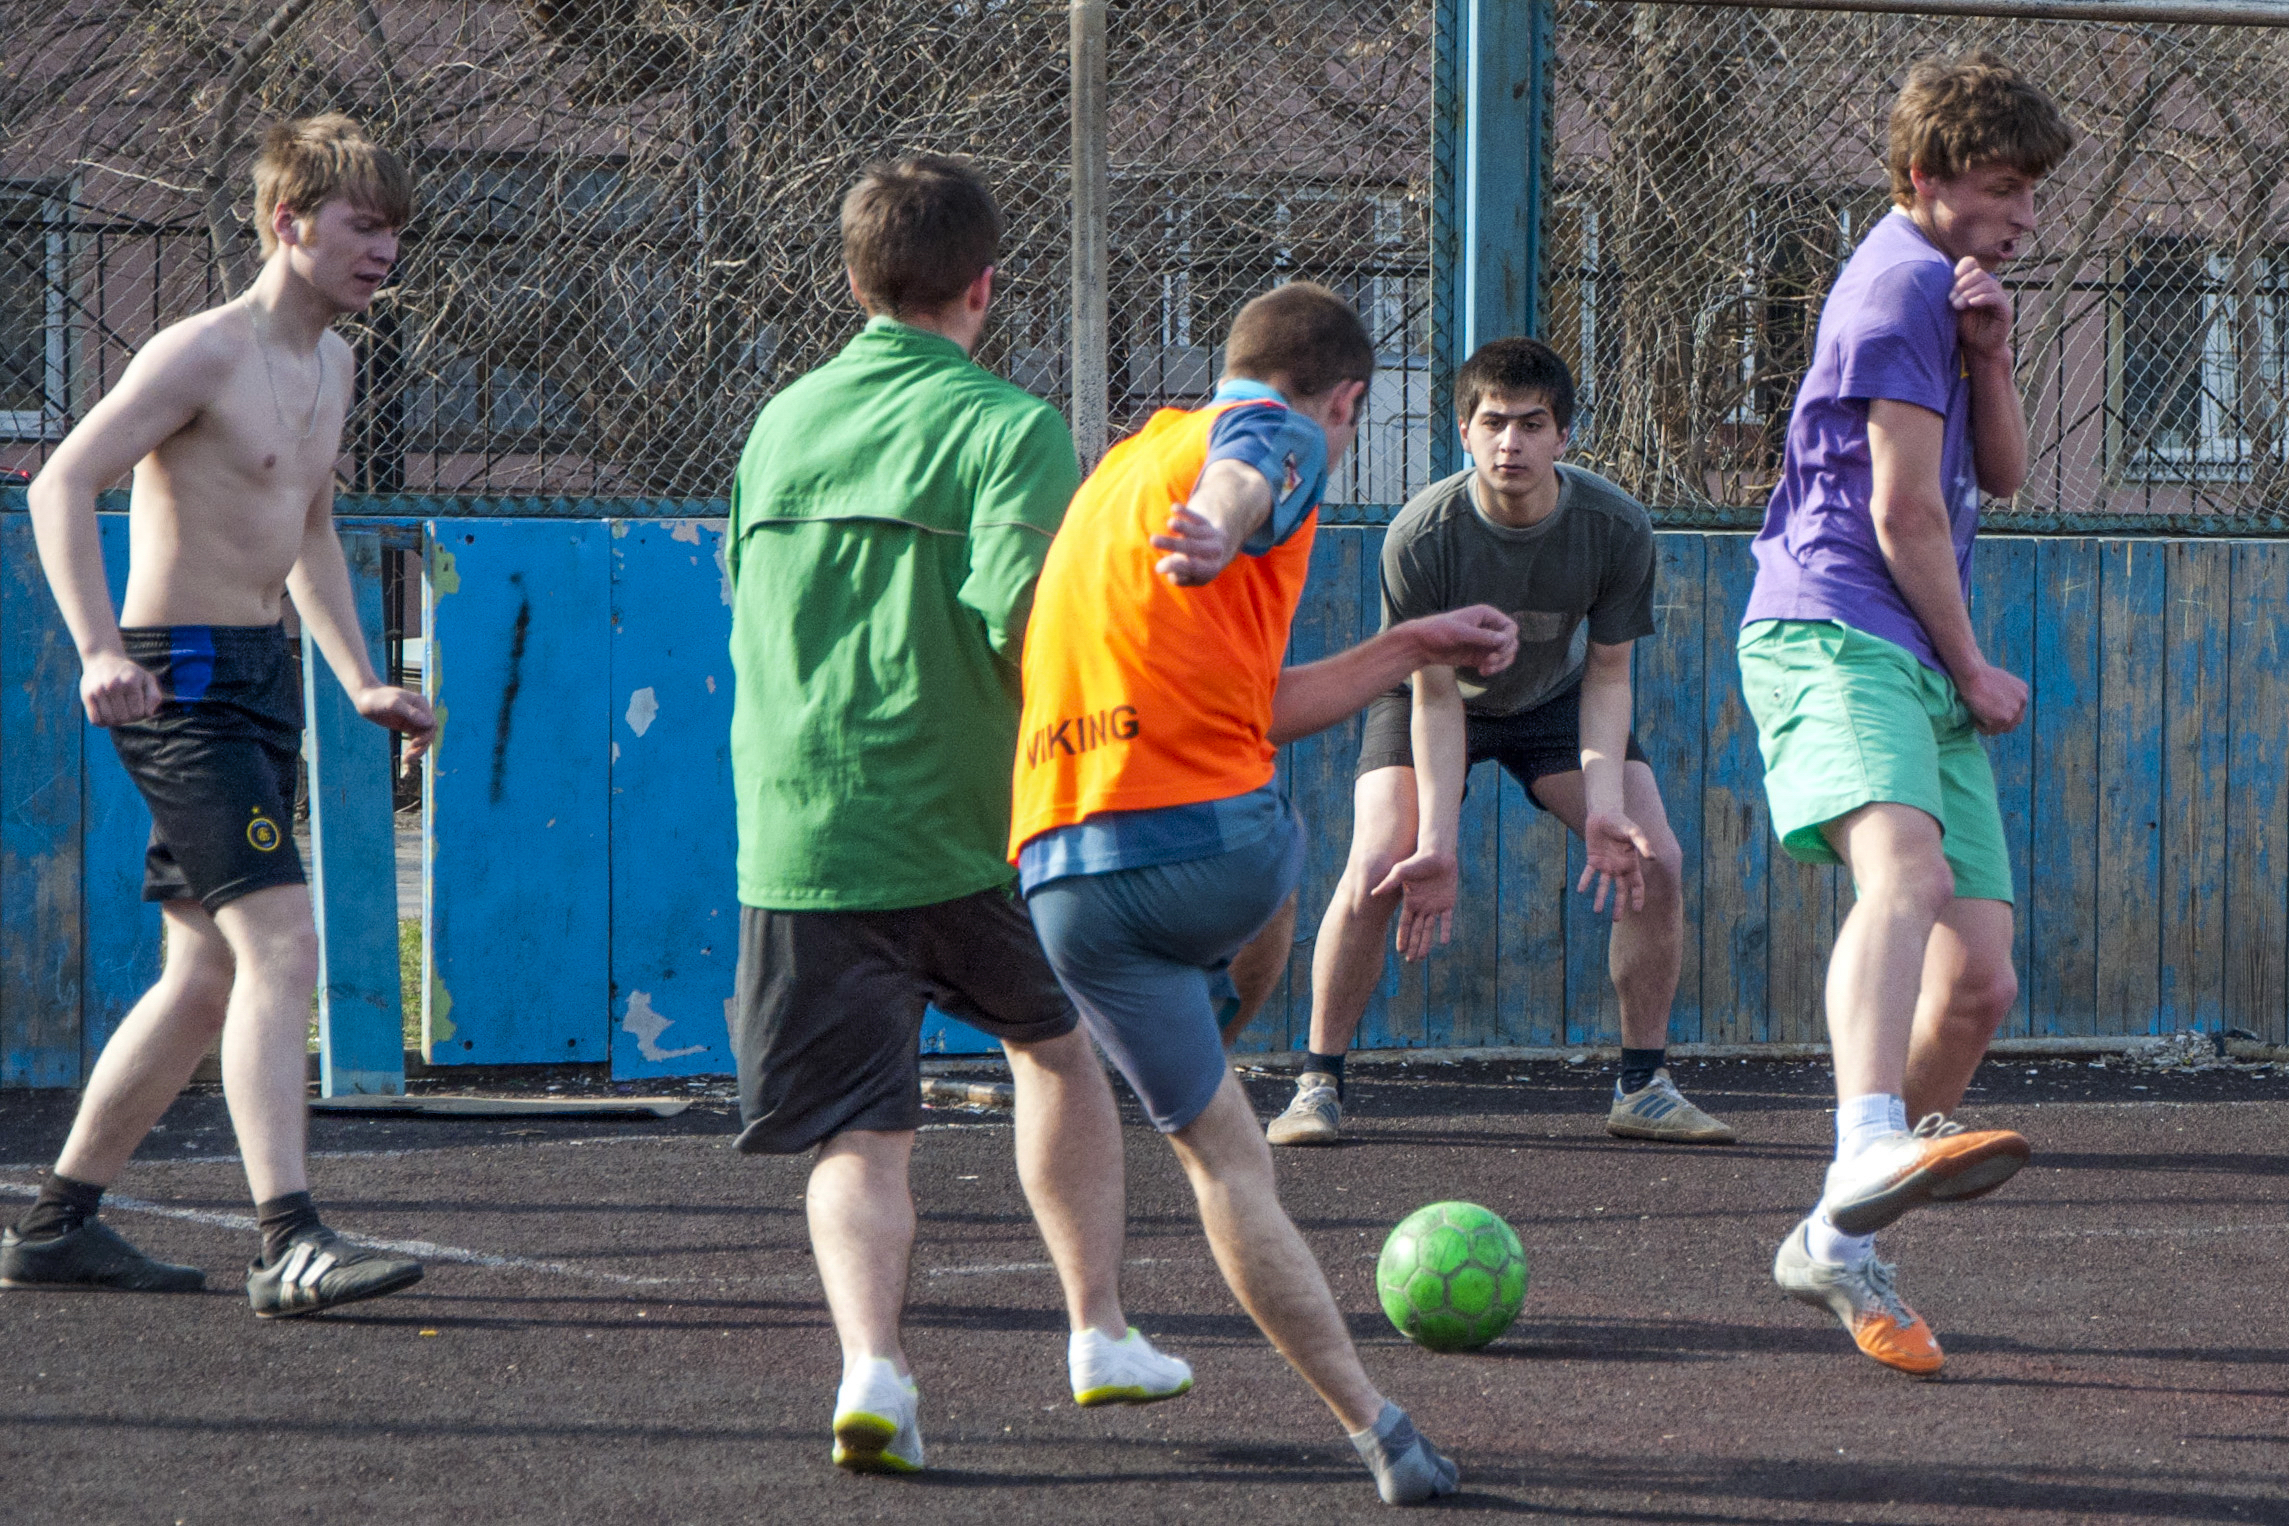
{"points": [[262, 436]]}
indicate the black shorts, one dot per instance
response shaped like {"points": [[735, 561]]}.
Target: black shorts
{"points": [[1532, 744], [826, 1010], [216, 763]]}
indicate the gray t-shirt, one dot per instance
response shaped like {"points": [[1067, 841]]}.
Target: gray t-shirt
{"points": [[1584, 574]]}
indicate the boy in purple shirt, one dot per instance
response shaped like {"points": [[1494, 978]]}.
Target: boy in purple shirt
{"points": [[1868, 687]]}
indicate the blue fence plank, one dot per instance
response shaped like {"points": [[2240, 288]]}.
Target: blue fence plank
{"points": [[1735, 821], [1670, 683], [1530, 977], [2063, 906], [2257, 806], [1316, 773], [2003, 617], [121, 948], [2195, 803], [353, 851], [2131, 615], [516, 915], [675, 892], [40, 844]]}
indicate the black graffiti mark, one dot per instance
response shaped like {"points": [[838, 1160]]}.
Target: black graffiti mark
{"points": [[509, 689]]}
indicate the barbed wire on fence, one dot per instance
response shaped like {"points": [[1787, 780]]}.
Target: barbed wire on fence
{"points": [[628, 234]]}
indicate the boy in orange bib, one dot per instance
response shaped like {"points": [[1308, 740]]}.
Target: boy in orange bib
{"points": [[1150, 838]]}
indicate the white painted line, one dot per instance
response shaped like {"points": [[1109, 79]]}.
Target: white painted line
{"points": [[1003, 1267], [2190, 1233], [410, 1152], [426, 1250]]}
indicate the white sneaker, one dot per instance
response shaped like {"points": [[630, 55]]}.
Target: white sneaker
{"points": [[1126, 1371], [1935, 1162], [878, 1421]]}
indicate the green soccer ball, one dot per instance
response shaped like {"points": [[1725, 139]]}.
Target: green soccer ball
{"points": [[1452, 1276]]}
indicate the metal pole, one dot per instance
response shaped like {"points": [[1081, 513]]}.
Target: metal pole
{"points": [[1091, 375], [2153, 12]]}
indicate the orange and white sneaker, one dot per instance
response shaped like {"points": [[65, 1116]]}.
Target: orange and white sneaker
{"points": [[1935, 1162], [1864, 1296]]}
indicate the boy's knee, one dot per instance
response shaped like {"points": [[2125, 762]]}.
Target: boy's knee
{"points": [[1919, 881], [1665, 873], [1983, 998]]}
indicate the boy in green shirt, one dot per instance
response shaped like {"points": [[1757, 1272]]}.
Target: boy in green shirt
{"points": [[890, 514]]}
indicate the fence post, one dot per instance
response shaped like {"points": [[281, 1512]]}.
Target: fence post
{"points": [[1091, 373], [361, 1016], [1491, 148]]}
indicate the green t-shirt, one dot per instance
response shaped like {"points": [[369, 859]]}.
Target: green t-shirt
{"points": [[890, 514]]}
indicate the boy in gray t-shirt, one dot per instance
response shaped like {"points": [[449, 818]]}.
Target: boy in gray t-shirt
{"points": [[1569, 557]]}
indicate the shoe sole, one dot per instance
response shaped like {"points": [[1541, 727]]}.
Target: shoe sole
{"points": [[1091, 1398], [1956, 1178], [95, 1287], [1695, 1136], [378, 1290], [862, 1444], [1290, 1138]]}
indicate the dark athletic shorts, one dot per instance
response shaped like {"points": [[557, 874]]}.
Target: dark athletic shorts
{"points": [[826, 1010], [1533, 744], [1143, 952], [216, 762]]}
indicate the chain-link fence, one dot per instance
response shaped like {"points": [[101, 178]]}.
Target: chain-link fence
{"points": [[628, 227], [628, 237], [1714, 166]]}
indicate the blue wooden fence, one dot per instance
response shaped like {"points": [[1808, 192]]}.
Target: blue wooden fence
{"points": [[578, 841]]}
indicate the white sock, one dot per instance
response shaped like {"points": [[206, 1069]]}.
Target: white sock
{"points": [[1861, 1121], [1831, 1245], [867, 1377]]}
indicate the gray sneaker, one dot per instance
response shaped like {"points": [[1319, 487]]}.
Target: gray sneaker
{"points": [[1658, 1110], [92, 1256], [1315, 1117], [1865, 1298]]}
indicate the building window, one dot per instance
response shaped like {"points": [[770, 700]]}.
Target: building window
{"points": [[2198, 362], [1180, 277], [34, 399]]}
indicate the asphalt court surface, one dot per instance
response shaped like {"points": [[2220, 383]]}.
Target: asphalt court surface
{"points": [[620, 1323]]}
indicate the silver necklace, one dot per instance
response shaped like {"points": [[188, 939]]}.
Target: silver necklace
{"points": [[317, 395]]}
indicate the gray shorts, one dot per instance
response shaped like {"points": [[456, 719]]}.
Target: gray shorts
{"points": [[826, 1011], [1142, 953]]}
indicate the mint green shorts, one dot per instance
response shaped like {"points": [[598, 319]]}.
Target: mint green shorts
{"points": [[1845, 719]]}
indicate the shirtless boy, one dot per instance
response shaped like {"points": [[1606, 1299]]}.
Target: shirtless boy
{"points": [[1870, 693], [231, 422], [1571, 558], [1150, 838]]}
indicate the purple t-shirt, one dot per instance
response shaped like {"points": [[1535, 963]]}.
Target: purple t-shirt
{"points": [[1885, 331]]}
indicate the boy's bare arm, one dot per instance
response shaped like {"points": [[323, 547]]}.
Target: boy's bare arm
{"points": [[1615, 848], [1430, 877], [162, 391], [1910, 514], [1998, 423], [1229, 502], [1315, 695], [320, 588]]}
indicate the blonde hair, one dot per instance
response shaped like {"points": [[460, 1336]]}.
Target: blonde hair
{"points": [[1956, 114], [313, 160]]}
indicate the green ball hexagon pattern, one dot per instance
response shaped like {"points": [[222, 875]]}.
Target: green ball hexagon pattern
{"points": [[1452, 1276]]}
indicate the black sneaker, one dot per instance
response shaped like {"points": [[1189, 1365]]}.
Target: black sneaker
{"points": [[92, 1256], [320, 1270]]}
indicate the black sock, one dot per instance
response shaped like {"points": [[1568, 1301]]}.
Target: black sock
{"points": [[1327, 1064], [1638, 1066], [62, 1206], [282, 1218]]}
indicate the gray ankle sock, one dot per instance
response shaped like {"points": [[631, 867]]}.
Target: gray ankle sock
{"points": [[1407, 1471]]}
